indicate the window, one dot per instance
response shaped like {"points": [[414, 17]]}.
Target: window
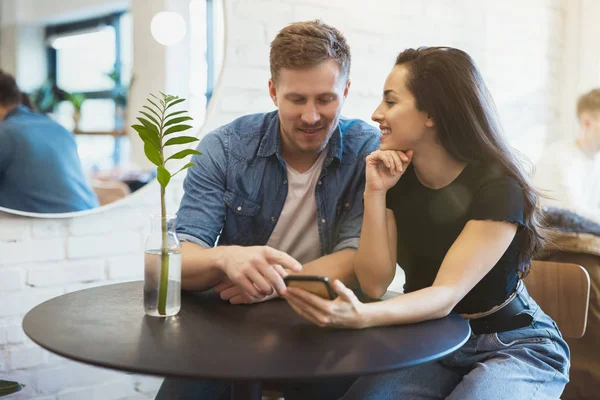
{"points": [[94, 58]]}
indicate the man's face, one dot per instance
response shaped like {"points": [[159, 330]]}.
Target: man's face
{"points": [[309, 102]]}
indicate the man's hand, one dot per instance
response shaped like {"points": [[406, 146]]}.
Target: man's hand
{"points": [[258, 271], [229, 291]]}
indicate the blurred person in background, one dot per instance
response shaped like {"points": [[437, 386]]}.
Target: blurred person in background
{"points": [[569, 170], [40, 169]]}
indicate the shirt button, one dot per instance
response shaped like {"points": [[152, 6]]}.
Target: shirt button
{"points": [[347, 205], [273, 219], [320, 183], [323, 220], [285, 182], [239, 208]]}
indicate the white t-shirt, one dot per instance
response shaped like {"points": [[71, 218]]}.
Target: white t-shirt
{"points": [[571, 178], [296, 231]]}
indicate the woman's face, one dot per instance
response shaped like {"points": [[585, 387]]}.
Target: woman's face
{"points": [[402, 125]]}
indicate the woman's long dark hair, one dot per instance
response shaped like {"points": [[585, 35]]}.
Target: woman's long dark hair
{"points": [[448, 86]]}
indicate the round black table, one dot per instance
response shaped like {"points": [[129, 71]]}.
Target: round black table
{"points": [[211, 339]]}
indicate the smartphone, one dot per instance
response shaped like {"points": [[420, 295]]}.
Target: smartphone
{"points": [[318, 285]]}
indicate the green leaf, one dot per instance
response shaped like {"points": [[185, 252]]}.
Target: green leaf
{"points": [[181, 140], [148, 124], [184, 167], [148, 136], [163, 176], [174, 114], [177, 128], [153, 103], [151, 118], [152, 154], [177, 120], [182, 154], [152, 110], [175, 102]]}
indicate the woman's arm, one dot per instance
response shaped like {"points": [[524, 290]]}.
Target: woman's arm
{"points": [[375, 261], [474, 253]]}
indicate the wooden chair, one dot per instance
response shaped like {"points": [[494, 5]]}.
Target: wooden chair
{"points": [[563, 291]]}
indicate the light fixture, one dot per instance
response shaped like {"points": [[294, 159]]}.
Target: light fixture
{"points": [[168, 28]]}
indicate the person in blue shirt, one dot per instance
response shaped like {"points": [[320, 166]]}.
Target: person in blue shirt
{"points": [[40, 170], [278, 192]]}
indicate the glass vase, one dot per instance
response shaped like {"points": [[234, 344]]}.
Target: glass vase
{"points": [[162, 269]]}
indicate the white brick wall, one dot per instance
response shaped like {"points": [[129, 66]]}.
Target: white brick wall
{"points": [[520, 57]]}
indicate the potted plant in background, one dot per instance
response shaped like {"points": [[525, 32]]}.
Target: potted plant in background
{"points": [[47, 97], [120, 94], [162, 261], [76, 99]]}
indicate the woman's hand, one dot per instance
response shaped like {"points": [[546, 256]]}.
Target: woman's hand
{"points": [[344, 312], [385, 167]]}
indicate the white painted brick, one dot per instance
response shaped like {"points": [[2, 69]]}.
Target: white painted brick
{"points": [[81, 286], [19, 302], [270, 11], [72, 374], [107, 391], [247, 33], [66, 272], [11, 279], [55, 359], [106, 222], [31, 250], [248, 78], [21, 357], [3, 333], [114, 243], [13, 227], [126, 267], [15, 334], [48, 228], [256, 56], [147, 384]]}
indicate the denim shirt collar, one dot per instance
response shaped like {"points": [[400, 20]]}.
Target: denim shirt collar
{"points": [[271, 142], [16, 111]]}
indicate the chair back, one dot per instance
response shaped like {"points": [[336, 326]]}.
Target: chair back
{"points": [[563, 291]]}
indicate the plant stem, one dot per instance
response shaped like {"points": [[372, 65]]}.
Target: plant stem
{"points": [[164, 248], [164, 257]]}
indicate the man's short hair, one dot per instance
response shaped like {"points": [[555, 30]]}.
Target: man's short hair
{"points": [[9, 91], [589, 102], [307, 44]]}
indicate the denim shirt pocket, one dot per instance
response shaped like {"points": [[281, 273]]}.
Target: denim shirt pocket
{"points": [[241, 225]]}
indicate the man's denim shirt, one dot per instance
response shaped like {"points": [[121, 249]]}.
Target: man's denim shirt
{"points": [[238, 187]]}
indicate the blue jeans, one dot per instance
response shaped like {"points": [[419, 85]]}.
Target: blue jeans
{"points": [[180, 389], [525, 363]]}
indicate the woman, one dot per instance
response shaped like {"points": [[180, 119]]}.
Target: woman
{"points": [[445, 199]]}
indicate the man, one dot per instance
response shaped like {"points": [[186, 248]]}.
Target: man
{"points": [[569, 170], [281, 191], [40, 170]]}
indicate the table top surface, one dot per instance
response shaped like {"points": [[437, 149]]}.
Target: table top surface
{"points": [[209, 338]]}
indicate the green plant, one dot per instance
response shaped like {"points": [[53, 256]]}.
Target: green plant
{"points": [[156, 125], [119, 92], [47, 97], [76, 99]]}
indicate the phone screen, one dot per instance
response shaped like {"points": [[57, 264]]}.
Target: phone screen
{"points": [[316, 285]]}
